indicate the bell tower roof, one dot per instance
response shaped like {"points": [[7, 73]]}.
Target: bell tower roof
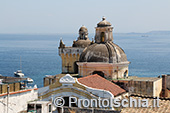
{"points": [[83, 40], [83, 28], [103, 32], [103, 23]]}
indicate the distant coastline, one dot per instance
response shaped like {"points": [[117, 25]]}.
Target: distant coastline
{"points": [[149, 33], [129, 33]]}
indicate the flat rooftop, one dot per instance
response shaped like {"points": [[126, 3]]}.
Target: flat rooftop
{"points": [[6, 79], [135, 78]]}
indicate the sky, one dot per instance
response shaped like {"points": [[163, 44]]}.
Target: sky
{"points": [[67, 16]]}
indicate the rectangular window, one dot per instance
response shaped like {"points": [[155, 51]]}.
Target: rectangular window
{"points": [[50, 108]]}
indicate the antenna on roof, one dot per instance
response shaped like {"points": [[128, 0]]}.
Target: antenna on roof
{"points": [[20, 64]]}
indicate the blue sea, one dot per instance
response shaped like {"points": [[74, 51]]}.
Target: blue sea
{"points": [[149, 56]]}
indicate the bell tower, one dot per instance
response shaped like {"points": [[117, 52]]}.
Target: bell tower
{"points": [[103, 31], [83, 33], [70, 55]]}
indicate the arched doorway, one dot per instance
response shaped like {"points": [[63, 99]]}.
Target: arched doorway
{"points": [[102, 36], [125, 74], [99, 73]]}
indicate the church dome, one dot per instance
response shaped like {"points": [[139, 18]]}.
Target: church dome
{"points": [[103, 50], [107, 52], [103, 23]]}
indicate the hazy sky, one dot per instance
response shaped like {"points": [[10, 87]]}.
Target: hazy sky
{"points": [[66, 16]]}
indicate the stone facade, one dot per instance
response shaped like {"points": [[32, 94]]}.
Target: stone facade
{"points": [[167, 81], [142, 86], [104, 31], [70, 55]]}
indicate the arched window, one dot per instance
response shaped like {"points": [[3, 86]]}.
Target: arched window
{"points": [[102, 36], [125, 73], [99, 73]]}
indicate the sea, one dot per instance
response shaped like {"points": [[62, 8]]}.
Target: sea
{"points": [[37, 54]]}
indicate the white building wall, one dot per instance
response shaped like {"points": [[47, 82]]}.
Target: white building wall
{"points": [[17, 102], [157, 87]]}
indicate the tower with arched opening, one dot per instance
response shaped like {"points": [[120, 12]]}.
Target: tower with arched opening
{"points": [[104, 57]]}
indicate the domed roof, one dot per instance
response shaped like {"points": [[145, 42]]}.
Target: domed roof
{"points": [[104, 52], [83, 28], [83, 40], [103, 23], [82, 43]]}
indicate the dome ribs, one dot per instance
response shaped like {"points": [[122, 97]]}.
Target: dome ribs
{"points": [[110, 53], [117, 59]]}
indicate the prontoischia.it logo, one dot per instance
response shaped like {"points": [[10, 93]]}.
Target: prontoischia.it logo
{"points": [[105, 103]]}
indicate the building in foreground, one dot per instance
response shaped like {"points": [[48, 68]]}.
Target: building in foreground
{"points": [[15, 94], [89, 87], [40, 107]]}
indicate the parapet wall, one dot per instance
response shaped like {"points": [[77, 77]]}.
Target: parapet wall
{"points": [[17, 101]]}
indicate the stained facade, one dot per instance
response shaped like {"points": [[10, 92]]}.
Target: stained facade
{"points": [[101, 57], [104, 57], [70, 55]]}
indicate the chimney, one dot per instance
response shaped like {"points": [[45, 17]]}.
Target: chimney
{"points": [[164, 85]]}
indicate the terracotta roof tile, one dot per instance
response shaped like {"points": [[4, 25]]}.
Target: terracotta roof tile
{"points": [[98, 82]]}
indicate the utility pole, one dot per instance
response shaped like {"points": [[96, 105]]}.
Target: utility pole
{"points": [[117, 72], [7, 96]]}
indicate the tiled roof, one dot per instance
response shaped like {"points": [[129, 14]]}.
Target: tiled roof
{"points": [[98, 82]]}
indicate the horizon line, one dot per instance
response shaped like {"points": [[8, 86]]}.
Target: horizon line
{"points": [[88, 33]]}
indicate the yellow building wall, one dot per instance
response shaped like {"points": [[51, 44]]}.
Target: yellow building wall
{"points": [[12, 87], [55, 85], [17, 86], [46, 81], [69, 59], [4, 88]]}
